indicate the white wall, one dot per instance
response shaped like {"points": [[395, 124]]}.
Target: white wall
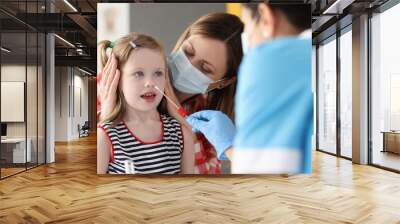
{"points": [[33, 126], [167, 21], [67, 115], [61, 103], [80, 84], [16, 73], [164, 21], [113, 22]]}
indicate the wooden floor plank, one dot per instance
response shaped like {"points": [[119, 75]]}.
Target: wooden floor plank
{"points": [[69, 191]]}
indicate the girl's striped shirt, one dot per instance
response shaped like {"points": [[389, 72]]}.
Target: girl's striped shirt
{"points": [[160, 157]]}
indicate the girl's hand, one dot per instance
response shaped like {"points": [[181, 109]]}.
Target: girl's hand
{"points": [[108, 86]]}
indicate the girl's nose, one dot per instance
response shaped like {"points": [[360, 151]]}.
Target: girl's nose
{"points": [[149, 84]]}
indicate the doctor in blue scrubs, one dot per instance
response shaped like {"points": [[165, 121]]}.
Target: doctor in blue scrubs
{"points": [[274, 100]]}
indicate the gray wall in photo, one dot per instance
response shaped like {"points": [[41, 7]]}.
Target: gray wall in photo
{"points": [[167, 21]]}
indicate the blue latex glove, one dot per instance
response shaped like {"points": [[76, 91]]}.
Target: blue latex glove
{"points": [[216, 127]]}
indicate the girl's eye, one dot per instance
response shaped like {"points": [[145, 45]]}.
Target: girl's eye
{"points": [[138, 74], [159, 73]]}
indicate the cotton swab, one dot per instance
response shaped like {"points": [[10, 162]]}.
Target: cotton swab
{"points": [[181, 111]]}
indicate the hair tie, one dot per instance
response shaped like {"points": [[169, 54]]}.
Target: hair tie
{"points": [[134, 46], [111, 45]]}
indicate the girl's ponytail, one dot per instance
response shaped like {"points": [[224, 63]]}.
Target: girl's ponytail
{"points": [[103, 45]]}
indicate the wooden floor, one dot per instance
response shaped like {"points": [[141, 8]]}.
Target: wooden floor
{"points": [[10, 171], [5, 172], [69, 191], [387, 159]]}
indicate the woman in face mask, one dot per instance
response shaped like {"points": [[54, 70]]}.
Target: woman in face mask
{"points": [[203, 68]]}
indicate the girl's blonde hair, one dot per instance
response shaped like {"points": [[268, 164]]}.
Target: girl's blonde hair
{"points": [[122, 48]]}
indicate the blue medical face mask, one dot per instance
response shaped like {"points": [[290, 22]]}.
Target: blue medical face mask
{"points": [[185, 77]]}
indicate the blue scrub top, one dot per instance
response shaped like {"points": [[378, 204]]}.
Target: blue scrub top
{"points": [[274, 100]]}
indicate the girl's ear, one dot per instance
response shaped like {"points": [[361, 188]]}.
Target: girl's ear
{"points": [[268, 20]]}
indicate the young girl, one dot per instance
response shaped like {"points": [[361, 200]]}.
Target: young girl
{"points": [[138, 136]]}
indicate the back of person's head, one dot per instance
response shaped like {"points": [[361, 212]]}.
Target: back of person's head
{"points": [[298, 14], [253, 8], [122, 48], [226, 28]]}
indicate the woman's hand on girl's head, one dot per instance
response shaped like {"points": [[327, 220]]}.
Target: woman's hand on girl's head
{"points": [[108, 86]]}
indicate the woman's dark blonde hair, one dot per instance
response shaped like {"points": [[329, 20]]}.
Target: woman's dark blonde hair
{"points": [[122, 48], [227, 28]]}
